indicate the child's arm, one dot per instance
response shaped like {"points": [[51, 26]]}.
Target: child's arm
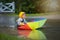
{"points": [[25, 21]]}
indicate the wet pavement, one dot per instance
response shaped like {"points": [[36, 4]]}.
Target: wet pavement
{"points": [[50, 31]]}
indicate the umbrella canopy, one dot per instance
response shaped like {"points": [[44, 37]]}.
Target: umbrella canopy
{"points": [[36, 23]]}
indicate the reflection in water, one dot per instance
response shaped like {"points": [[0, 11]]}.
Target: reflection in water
{"points": [[33, 35]]}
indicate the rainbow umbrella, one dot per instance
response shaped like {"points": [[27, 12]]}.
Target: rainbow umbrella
{"points": [[36, 23], [33, 35]]}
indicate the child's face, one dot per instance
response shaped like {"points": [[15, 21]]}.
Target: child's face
{"points": [[24, 15]]}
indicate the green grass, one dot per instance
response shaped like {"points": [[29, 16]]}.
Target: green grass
{"points": [[9, 37], [34, 14]]}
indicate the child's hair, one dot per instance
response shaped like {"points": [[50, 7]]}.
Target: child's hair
{"points": [[21, 14]]}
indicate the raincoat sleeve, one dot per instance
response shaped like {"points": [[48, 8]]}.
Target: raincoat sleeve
{"points": [[19, 21]]}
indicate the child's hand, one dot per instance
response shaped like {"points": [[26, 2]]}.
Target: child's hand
{"points": [[21, 23]]}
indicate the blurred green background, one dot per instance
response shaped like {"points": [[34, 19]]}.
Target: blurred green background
{"points": [[35, 6]]}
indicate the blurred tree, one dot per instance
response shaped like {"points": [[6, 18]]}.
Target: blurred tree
{"points": [[27, 5]]}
